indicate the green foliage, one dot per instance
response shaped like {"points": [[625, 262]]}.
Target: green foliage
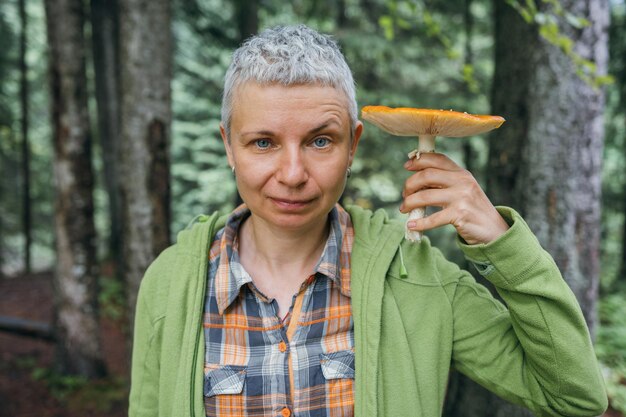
{"points": [[79, 394], [550, 18], [201, 179], [611, 347], [25, 362], [414, 16], [614, 157], [613, 188], [470, 80], [60, 386], [101, 396], [112, 298]]}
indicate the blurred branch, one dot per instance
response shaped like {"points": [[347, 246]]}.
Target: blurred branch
{"points": [[29, 328]]}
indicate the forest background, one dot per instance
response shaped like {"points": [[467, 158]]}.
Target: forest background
{"points": [[109, 145]]}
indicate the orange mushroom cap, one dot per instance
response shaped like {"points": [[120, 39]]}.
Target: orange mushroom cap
{"points": [[407, 121]]}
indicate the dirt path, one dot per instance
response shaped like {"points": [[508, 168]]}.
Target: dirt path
{"points": [[22, 359]]}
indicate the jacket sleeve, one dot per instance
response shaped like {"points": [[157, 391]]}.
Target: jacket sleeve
{"points": [[538, 352], [147, 340]]}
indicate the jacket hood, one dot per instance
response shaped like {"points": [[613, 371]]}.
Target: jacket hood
{"points": [[198, 232]]}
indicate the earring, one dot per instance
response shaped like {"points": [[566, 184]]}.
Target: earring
{"points": [[349, 172], [233, 169]]}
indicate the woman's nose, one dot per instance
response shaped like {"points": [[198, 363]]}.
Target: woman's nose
{"points": [[292, 170]]}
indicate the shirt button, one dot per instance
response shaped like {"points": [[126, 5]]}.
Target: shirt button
{"points": [[282, 346], [285, 412]]}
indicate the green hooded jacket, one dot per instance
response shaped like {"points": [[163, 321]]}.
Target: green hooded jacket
{"points": [[416, 315]]}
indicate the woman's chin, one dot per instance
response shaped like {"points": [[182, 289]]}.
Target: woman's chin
{"points": [[294, 218]]}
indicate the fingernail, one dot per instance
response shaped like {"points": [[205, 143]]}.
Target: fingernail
{"points": [[411, 224], [407, 164]]}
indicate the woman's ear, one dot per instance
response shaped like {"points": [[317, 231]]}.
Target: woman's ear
{"points": [[358, 130], [229, 151]]}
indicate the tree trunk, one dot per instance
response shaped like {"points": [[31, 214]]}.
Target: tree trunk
{"points": [[558, 143], [79, 349], [26, 207], [146, 53], [247, 14], [620, 282], [468, 19], [3, 164], [514, 42], [618, 26], [105, 36], [545, 160], [342, 17]]}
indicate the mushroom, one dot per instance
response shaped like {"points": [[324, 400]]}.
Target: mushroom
{"points": [[427, 124]]}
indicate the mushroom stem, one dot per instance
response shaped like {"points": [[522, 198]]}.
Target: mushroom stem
{"points": [[426, 143]]}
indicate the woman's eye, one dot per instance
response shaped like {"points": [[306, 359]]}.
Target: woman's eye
{"points": [[321, 142], [262, 143]]}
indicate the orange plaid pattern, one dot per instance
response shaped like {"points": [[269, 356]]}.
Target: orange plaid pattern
{"points": [[259, 365]]}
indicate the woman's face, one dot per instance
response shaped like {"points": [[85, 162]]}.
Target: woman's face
{"points": [[290, 147]]}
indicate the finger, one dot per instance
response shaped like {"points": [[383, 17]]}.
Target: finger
{"points": [[438, 197], [434, 220], [431, 160], [432, 178]]}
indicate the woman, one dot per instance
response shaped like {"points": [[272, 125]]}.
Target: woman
{"points": [[293, 305]]}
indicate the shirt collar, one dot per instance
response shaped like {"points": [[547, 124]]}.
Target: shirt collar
{"points": [[334, 263]]}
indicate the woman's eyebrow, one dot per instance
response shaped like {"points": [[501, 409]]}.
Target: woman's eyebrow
{"points": [[258, 132], [323, 126]]}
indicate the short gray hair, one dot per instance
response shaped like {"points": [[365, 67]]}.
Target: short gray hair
{"points": [[289, 55]]}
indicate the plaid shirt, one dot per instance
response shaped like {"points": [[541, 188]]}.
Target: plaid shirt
{"points": [[259, 365]]}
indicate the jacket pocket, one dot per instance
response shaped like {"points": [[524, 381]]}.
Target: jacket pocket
{"points": [[338, 365], [226, 379]]}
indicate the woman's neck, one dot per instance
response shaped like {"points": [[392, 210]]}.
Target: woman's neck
{"points": [[280, 261], [277, 250]]}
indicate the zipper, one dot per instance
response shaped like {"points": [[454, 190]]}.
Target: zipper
{"points": [[203, 279]]}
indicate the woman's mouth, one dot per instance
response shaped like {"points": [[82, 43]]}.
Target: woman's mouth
{"points": [[291, 204]]}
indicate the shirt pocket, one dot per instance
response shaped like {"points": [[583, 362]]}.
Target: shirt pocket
{"points": [[225, 379], [338, 365]]}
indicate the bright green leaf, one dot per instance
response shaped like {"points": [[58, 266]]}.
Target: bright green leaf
{"points": [[386, 23]]}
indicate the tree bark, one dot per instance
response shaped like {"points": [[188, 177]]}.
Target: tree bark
{"points": [[247, 14], [342, 17], [558, 143], [620, 282], [105, 37], [79, 349], [26, 207], [468, 19], [2, 197], [545, 160], [618, 26], [146, 53], [514, 42]]}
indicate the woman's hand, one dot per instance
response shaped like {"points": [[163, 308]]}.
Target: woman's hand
{"points": [[439, 181]]}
